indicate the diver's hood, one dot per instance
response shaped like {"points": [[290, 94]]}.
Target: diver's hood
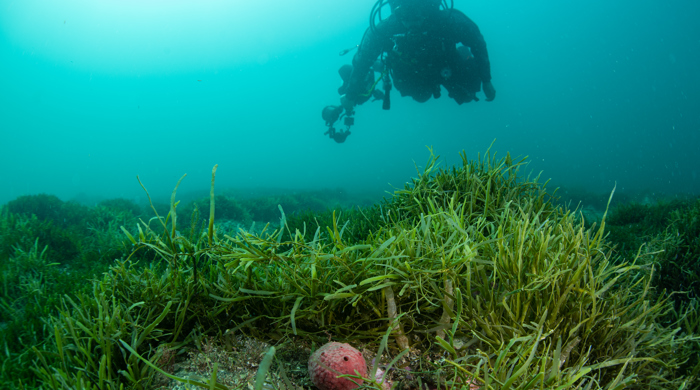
{"points": [[413, 13], [417, 5]]}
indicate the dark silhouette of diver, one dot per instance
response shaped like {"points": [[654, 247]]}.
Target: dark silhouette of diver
{"points": [[421, 46]]}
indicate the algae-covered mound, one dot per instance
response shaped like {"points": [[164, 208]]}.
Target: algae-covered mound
{"points": [[472, 263]]}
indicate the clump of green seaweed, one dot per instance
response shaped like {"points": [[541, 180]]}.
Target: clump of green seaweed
{"points": [[666, 234], [670, 232], [48, 248], [680, 243], [473, 262]]}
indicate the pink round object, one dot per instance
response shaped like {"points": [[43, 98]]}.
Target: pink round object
{"points": [[334, 359]]}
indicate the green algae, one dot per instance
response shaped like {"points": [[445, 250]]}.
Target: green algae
{"points": [[473, 260]]}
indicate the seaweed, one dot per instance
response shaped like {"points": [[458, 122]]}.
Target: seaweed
{"points": [[226, 208], [474, 264]]}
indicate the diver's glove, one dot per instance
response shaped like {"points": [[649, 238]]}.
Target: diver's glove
{"points": [[489, 91], [339, 136]]}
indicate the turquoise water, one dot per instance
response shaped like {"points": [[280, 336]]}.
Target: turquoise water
{"points": [[94, 93]]}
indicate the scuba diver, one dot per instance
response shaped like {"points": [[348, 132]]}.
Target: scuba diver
{"points": [[421, 46]]}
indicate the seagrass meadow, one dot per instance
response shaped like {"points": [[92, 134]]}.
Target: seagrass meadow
{"points": [[470, 276]]}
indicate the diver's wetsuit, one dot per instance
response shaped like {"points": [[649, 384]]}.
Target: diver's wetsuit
{"points": [[421, 61]]}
